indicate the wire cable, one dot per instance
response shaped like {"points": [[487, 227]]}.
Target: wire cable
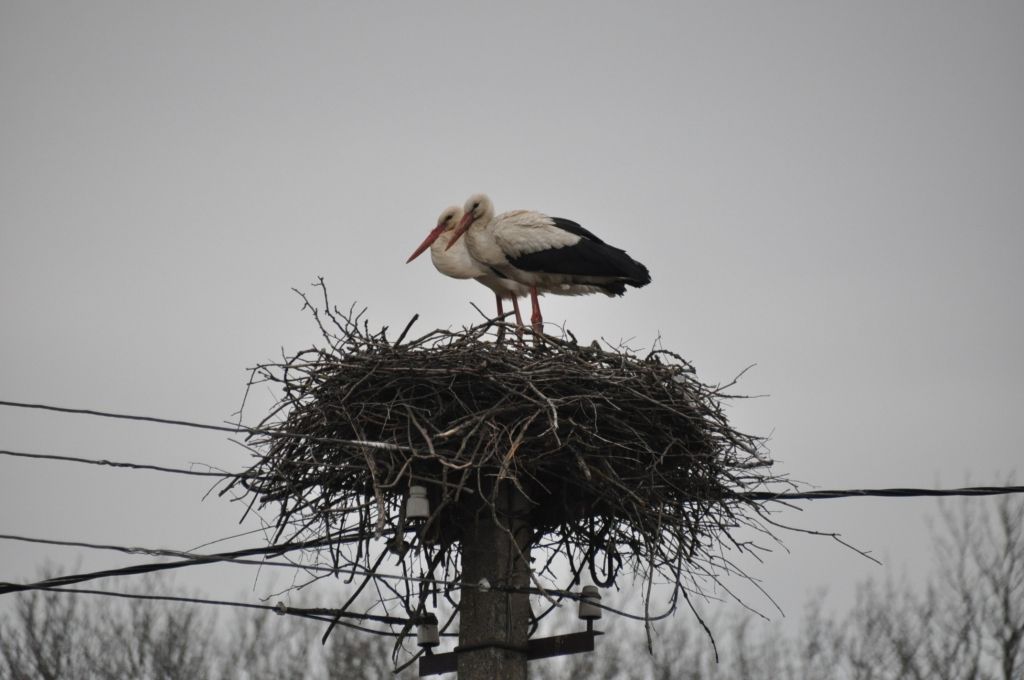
{"points": [[200, 558], [124, 416], [71, 579], [241, 429], [318, 614], [812, 495], [879, 493], [116, 464], [233, 429]]}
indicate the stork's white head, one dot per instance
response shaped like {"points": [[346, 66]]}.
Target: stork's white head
{"points": [[448, 220], [478, 210]]}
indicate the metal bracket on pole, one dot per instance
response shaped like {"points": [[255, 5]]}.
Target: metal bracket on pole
{"points": [[537, 648]]}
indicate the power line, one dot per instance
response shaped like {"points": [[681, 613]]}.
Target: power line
{"points": [[317, 614], [241, 429], [204, 559], [329, 615], [71, 579], [751, 496], [879, 493], [247, 475], [137, 550], [116, 464], [200, 558], [233, 429], [821, 494], [899, 492], [123, 416], [326, 615]]}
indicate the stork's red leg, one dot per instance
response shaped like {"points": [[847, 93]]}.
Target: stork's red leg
{"points": [[519, 317], [501, 318], [538, 321]]}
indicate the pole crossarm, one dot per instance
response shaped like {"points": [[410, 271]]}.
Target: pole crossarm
{"points": [[537, 648]]}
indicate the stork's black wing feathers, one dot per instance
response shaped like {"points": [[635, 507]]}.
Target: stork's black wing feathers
{"points": [[587, 258], [575, 228]]}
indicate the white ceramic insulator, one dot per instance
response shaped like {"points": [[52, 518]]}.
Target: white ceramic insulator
{"points": [[590, 598], [417, 506]]}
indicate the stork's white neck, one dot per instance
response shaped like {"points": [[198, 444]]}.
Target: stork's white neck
{"points": [[480, 241]]}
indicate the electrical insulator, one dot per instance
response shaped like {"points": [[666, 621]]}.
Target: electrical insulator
{"points": [[426, 632], [590, 598], [417, 506]]}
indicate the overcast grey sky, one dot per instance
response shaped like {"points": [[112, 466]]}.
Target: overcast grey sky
{"points": [[832, 191]]}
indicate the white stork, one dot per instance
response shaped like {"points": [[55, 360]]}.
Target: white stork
{"points": [[545, 253], [457, 263]]}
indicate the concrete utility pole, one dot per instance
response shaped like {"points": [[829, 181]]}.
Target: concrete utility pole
{"points": [[493, 625]]}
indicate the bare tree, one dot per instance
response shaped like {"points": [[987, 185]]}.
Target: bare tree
{"points": [[353, 655], [61, 635], [981, 573], [139, 639], [966, 622], [43, 642], [263, 646]]}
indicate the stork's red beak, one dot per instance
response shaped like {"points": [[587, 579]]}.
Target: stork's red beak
{"points": [[431, 237], [467, 219]]}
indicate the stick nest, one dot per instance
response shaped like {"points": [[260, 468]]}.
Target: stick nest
{"points": [[628, 461]]}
